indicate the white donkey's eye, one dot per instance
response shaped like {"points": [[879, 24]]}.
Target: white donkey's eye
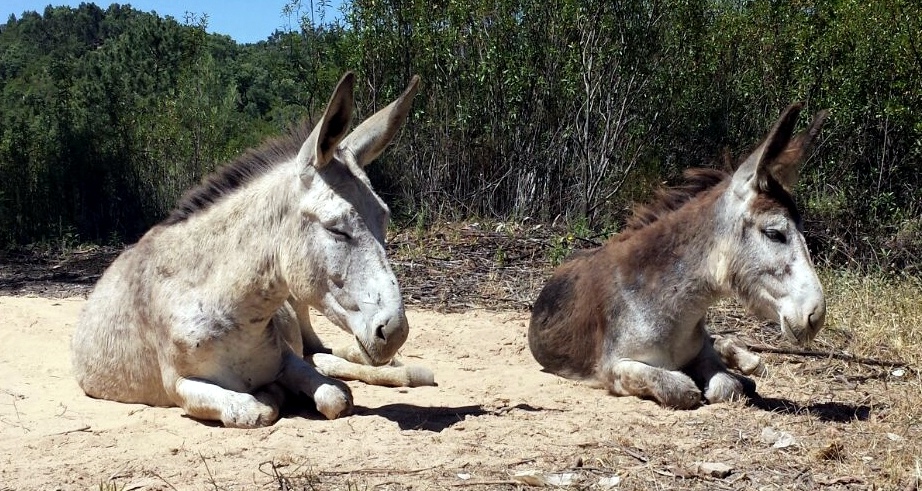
{"points": [[775, 235], [338, 234]]}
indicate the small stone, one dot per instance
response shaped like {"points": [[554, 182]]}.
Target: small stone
{"points": [[713, 469], [777, 439], [610, 482]]}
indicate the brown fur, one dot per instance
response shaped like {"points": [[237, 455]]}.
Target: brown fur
{"points": [[579, 293], [631, 314], [668, 200]]}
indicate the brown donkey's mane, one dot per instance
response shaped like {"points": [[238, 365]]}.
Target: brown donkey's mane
{"points": [[236, 174], [667, 200]]}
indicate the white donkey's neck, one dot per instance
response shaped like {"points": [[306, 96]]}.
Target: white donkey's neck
{"points": [[244, 234]]}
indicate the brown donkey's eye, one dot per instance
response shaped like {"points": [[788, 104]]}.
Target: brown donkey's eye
{"points": [[775, 235]]}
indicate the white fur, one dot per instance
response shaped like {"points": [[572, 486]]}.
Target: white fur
{"points": [[211, 313]]}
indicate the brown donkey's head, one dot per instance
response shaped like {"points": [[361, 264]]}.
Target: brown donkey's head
{"points": [[761, 255]]}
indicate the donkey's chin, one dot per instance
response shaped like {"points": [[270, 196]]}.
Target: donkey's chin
{"points": [[368, 358], [799, 335]]}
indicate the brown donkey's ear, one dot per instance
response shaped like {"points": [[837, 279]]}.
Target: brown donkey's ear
{"points": [[319, 147], [785, 167], [371, 137], [780, 155]]}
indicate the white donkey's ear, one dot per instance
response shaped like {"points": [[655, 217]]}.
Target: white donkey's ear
{"points": [[780, 155], [319, 147], [374, 134]]}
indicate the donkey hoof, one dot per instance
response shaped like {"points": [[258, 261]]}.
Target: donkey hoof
{"points": [[419, 376], [682, 398], [332, 402], [253, 415], [724, 387], [689, 400], [756, 369]]}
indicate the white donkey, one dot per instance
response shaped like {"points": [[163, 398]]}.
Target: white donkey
{"points": [[209, 310]]}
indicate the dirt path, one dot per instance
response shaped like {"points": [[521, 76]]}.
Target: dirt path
{"points": [[494, 414]]}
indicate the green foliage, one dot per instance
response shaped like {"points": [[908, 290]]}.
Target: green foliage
{"points": [[576, 109], [109, 115], [564, 111]]}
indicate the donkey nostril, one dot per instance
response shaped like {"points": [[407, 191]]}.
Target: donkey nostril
{"points": [[815, 319], [379, 332]]}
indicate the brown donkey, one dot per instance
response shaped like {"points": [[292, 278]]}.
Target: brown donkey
{"points": [[631, 314], [209, 310]]}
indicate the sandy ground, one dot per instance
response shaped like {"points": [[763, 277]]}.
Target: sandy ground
{"points": [[493, 415]]}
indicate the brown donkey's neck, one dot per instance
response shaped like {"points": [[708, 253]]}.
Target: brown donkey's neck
{"points": [[668, 254]]}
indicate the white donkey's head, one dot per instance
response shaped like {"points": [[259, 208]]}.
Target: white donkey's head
{"points": [[338, 264], [763, 257]]}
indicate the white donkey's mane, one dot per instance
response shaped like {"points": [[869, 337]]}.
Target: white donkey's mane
{"points": [[239, 172]]}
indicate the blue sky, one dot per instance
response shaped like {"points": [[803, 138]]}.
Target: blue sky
{"points": [[247, 21]]}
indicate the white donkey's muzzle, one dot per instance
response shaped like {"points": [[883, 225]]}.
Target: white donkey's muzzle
{"points": [[383, 336]]}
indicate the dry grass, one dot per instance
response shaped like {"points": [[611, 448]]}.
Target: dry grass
{"points": [[852, 403], [865, 362], [879, 318], [853, 400], [875, 316]]}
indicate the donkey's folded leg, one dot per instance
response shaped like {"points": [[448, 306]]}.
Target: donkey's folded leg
{"points": [[667, 387], [205, 400], [351, 353], [387, 375], [735, 354], [719, 384], [332, 397], [399, 375]]}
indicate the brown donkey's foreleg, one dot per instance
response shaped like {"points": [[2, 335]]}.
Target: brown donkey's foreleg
{"points": [[719, 384], [735, 354], [625, 377]]}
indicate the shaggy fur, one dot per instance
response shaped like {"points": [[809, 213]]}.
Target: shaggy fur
{"points": [[209, 311], [631, 314], [240, 172]]}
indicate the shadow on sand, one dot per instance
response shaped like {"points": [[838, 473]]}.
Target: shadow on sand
{"points": [[435, 419], [836, 412]]}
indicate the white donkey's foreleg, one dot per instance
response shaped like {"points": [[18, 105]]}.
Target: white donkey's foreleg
{"points": [[670, 388], [393, 375], [332, 397], [204, 400], [348, 363]]}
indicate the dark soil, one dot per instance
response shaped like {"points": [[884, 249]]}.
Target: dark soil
{"points": [[53, 274]]}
